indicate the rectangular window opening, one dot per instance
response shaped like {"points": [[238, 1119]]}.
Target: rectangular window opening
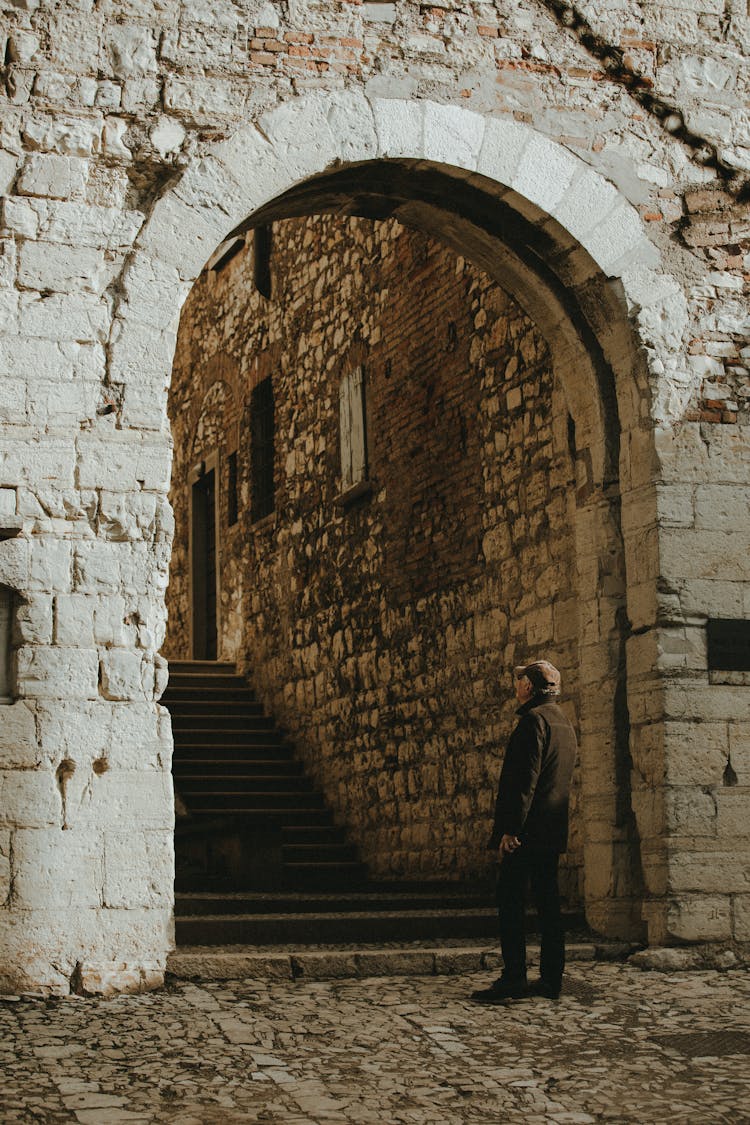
{"points": [[232, 493], [728, 645], [262, 450], [353, 433], [6, 627], [262, 239]]}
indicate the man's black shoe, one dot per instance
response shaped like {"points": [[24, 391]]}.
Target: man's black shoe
{"points": [[499, 992], [542, 988]]}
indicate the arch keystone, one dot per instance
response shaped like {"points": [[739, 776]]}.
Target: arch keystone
{"points": [[399, 126], [502, 148], [312, 133], [453, 135]]}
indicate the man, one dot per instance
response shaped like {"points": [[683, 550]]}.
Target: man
{"points": [[530, 832]]}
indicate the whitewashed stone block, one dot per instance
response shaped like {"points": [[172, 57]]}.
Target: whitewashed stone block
{"points": [[154, 292], [55, 869], [502, 148], [51, 565], [704, 918], [15, 563], [120, 675], [18, 741], [696, 872], [120, 798], [58, 177], [586, 203], [618, 236], [61, 268], [131, 50], [741, 917], [29, 799], [34, 621], [141, 356], [137, 871], [695, 754], [399, 125], [74, 624], [308, 119], [544, 173], [96, 568], [20, 217], [58, 673], [721, 507], [62, 316], [453, 135], [8, 168]]}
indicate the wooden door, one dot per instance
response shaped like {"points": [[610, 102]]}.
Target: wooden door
{"points": [[204, 566]]}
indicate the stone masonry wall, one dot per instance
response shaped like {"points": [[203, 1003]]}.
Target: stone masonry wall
{"points": [[134, 137], [383, 634]]}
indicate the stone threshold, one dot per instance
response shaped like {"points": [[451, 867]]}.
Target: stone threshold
{"points": [[341, 963]]}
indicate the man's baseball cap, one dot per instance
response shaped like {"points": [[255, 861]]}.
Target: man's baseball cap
{"points": [[543, 675]]}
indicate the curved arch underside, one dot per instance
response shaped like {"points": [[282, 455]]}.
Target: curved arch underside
{"points": [[552, 278]]}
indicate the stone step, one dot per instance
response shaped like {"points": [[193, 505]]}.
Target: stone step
{"points": [[299, 962], [260, 752], [251, 803], [202, 668], [302, 902], [238, 767], [201, 682], [352, 926], [225, 687], [307, 834], [211, 738], [278, 817], [218, 712], [309, 854], [241, 785]]}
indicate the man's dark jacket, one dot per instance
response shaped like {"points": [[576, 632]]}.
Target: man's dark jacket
{"points": [[532, 798]]}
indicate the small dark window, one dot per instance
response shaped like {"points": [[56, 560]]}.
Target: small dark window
{"points": [[262, 449], [232, 499], [728, 645], [6, 621], [262, 260]]}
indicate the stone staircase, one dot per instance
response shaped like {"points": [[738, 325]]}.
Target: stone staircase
{"points": [[248, 816], [259, 859]]}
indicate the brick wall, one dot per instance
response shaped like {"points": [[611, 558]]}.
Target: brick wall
{"points": [[382, 633]]}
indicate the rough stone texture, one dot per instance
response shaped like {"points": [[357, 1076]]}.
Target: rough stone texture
{"points": [[453, 958], [136, 136], [620, 1045], [382, 634]]}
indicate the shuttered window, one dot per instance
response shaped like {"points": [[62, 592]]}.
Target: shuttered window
{"points": [[353, 429]]}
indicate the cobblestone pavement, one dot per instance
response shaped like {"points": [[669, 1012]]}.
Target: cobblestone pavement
{"points": [[621, 1045]]}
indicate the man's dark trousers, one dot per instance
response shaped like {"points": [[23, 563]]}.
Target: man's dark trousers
{"points": [[537, 867]]}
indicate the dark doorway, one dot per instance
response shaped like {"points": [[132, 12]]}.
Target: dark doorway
{"points": [[204, 569]]}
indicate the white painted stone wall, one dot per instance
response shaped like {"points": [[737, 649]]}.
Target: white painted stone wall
{"points": [[134, 136]]}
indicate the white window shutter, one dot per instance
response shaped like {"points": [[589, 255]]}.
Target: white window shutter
{"points": [[352, 429]]}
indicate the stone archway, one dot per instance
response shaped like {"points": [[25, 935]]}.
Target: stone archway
{"points": [[585, 235], [592, 240]]}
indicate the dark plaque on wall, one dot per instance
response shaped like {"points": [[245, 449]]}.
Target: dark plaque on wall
{"points": [[728, 644]]}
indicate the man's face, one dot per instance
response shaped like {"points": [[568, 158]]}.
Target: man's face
{"points": [[524, 689]]}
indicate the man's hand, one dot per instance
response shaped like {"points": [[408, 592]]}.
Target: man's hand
{"points": [[508, 845]]}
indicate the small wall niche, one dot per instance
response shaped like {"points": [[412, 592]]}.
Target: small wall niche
{"points": [[6, 628]]}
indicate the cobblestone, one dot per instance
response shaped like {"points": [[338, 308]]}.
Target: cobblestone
{"points": [[620, 1046]]}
